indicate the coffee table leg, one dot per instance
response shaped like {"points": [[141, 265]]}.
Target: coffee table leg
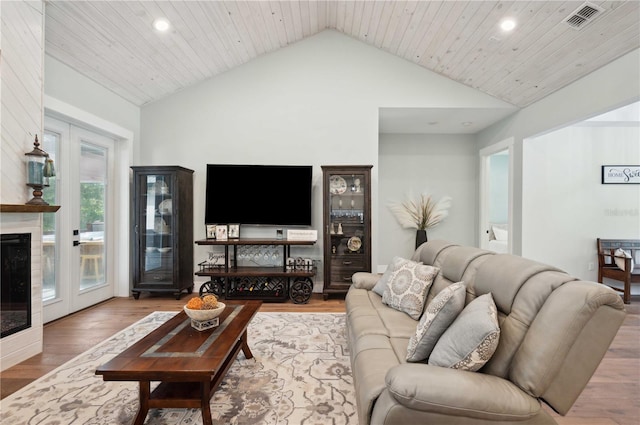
{"points": [[145, 393], [205, 407], [245, 346]]}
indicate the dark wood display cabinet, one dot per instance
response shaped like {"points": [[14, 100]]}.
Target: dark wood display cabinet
{"points": [[287, 280], [162, 233], [346, 225]]}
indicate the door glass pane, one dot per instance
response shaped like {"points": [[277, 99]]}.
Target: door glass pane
{"points": [[93, 182], [50, 289]]}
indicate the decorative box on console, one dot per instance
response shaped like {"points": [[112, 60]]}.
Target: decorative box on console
{"points": [[302, 235]]}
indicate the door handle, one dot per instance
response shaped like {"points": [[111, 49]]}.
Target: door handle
{"points": [[76, 243]]}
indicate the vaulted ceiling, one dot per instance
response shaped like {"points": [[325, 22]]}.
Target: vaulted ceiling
{"points": [[113, 42]]}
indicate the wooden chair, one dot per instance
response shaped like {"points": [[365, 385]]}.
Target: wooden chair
{"points": [[607, 267]]}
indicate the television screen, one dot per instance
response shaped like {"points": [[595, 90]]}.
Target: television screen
{"points": [[278, 195]]}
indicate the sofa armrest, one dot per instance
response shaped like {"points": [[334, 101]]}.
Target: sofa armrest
{"points": [[453, 392], [365, 280]]}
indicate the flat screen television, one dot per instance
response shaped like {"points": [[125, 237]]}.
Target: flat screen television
{"points": [[278, 195]]}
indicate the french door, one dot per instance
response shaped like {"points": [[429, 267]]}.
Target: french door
{"points": [[77, 253]]}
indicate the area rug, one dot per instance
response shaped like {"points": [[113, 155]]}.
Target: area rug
{"points": [[300, 374]]}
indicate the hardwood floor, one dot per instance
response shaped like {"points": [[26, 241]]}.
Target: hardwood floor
{"points": [[612, 397]]}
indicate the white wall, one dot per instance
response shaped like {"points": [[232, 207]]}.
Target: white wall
{"points": [[314, 102], [438, 164], [71, 87], [21, 111], [565, 205]]}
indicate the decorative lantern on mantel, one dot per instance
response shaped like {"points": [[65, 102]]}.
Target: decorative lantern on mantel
{"points": [[39, 170]]}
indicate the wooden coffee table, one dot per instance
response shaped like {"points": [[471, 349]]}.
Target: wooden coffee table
{"points": [[189, 364]]}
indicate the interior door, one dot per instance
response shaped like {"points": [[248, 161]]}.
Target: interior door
{"points": [[496, 169], [77, 258]]}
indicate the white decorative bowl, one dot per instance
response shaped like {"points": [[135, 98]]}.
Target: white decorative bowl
{"points": [[202, 315]]}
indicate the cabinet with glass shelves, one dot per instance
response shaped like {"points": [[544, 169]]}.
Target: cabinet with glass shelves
{"points": [[346, 225], [162, 234]]}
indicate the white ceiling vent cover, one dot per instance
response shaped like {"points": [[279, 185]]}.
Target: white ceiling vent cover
{"points": [[583, 15]]}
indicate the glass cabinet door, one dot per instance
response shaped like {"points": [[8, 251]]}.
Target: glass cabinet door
{"points": [[346, 213], [158, 227], [347, 225]]}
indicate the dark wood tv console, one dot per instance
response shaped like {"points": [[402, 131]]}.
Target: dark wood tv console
{"points": [[279, 283]]}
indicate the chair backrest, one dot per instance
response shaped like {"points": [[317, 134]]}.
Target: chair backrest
{"points": [[608, 247]]}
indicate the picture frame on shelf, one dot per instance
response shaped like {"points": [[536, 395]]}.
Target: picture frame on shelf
{"points": [[234, 231], [221, 232], [211, 231]]}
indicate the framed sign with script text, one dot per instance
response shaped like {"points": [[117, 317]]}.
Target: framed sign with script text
{"points": [[621, 174]]}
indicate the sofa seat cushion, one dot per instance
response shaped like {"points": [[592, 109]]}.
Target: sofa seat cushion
{"points": [[452, 393]]}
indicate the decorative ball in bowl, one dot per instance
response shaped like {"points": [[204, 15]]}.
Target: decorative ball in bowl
{"points": [[202, 315]]}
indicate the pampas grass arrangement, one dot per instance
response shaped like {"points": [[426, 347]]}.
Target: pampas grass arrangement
{"points": [[422, 213]]}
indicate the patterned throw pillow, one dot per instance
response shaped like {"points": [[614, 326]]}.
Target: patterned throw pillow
{"points": [[471, 339], [440, 313], [408, 286], [396, 264]]}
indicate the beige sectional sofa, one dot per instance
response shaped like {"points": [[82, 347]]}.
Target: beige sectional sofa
{"points": [[554, 331]]}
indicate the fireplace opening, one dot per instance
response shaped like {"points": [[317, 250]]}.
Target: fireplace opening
{"points": [[15, 286]]}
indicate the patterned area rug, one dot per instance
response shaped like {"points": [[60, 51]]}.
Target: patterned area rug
{"points": [[300, 374]]}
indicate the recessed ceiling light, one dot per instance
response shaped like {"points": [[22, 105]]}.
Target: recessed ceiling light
{"points": [[508, 24], [467, 123], [161, 24]]}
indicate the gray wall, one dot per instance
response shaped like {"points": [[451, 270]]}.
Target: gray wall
{"points": [[437, 164], [315, 102]]}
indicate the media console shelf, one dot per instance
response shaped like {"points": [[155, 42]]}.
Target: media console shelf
{"points": [[276, 283]]}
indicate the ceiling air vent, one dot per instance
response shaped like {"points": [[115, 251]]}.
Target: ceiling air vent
{"points": [[583, 15]]}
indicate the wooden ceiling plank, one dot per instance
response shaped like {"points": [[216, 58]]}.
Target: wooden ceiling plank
{"points": [[270, 26], [458, 36], [332, 13], [374, 23], [138, 94], [156, 49], [392, 38], [245, 23], [559, 52], [312, 7], [544, 78], [287, 20], [358, 8], [305, 18], [383, 23], [198, 55], [228, 16], [414, 51], [98, 58], [340, 15], [536, 21], [296, 19], [413, 26], [278, 21], [438, 21], [217, 51], [465, 39], [322, 15], [349, 13], [219, 20], [480, 42], [367, 13], [451, 25]]}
